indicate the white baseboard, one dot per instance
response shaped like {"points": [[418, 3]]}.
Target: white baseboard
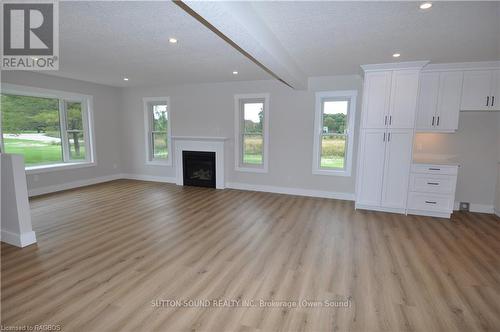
{"points": [[291, 191], [18, 240], [474, 207], [497, 212], [142, 177], [71, 185]]}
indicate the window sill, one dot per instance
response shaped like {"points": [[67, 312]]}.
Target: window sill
{"points": [[57, 167], [331, 172], [251, 169]]}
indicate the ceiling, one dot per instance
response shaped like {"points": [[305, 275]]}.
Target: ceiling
{"points": [[336, 37], [103, 42]]}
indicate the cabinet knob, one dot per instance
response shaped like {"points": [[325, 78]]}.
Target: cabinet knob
{"points": [[487, 100], [492, 100]]}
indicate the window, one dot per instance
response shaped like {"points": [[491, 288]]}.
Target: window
{"points": [[334, 132], [251, 122], [51, 129], [157, 123]]}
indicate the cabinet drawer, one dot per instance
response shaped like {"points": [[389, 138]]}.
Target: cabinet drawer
{"points": [[429, 183], [430, 202], [434, 169]]}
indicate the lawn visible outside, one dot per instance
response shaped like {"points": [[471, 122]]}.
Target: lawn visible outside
{"points": [[160, 146], [35, 152], [332, 151], [252, 149], [42, 150]]}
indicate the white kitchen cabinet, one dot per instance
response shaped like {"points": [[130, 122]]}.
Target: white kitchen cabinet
{"points": [[398, 156], [432, 189], [427, 101], [386, 138], [403, 99], [439, 101], [371, 167], [384, 169], [480, 91], [390, 99], [376, 99], [495, 103]]}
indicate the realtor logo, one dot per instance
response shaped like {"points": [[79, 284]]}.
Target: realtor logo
{"points": [[30, 35]]}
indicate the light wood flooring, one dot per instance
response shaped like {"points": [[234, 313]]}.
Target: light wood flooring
{"points": [[107, 252]]}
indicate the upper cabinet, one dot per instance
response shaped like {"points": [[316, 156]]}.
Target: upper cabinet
{"points": [[480, 90], [390, 99], [439, 101]]}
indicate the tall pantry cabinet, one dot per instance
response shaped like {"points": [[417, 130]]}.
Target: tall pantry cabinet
{"points": [[386, 140]]}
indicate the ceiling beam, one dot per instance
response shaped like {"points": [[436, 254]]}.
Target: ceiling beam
{"points": [[240, 26]]}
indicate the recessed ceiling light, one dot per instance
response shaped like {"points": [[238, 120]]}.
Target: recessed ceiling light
{"points": [[125, 78], [396, 55], [235, 72], [172, 41], [426, 5]]}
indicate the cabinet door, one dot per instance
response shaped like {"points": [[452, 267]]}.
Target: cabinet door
{"points": [[476, 92], [370, 166], [397, 168], [427, 101], [403, 105], [450, 92], [495, 103], [376, 99]]}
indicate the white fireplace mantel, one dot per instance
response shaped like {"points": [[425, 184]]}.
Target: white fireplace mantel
{"points": [[200, 143]]}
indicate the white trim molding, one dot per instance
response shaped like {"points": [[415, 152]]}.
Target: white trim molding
{"points": [[71, 185], [148, 129], [291, 191], [18, 240], [151, 178], [351, 95], [238, 165], [479, 208]]}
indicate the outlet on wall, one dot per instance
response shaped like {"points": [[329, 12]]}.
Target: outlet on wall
{"points": [[464, 206]]}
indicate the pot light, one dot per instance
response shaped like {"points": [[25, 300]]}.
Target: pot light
{"points": [[396, 55], [425, 5], [125, 78], [172, 41], [235, 72]]}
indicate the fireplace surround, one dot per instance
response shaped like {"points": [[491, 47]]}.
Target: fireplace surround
{"points": [[200, 144]]}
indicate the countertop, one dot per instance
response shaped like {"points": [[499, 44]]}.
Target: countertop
{"points": [[431, 159]]}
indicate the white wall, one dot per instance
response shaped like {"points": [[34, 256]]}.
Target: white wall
{"points": [[475, 146], [106, 125], [208, 110]]}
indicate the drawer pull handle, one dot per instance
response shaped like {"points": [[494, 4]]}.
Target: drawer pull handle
{"points": [[434, 169], [433, 183], [430, 202]]}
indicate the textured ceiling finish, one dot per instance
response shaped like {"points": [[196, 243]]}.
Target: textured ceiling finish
{"points": [[328, 38], [103, 42]]}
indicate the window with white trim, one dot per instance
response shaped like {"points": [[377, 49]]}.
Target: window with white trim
{"points": [[158, 135], [51, 129], [251, 128], [334, 132]]}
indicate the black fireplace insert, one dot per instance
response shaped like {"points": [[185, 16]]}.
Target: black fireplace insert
{"points": [[199, 168]]}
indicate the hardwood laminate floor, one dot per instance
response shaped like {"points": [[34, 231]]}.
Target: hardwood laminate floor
{"points": [[142, 256]]}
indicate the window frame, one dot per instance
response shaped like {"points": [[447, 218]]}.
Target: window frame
{"points": [[148, 128], [318, 131], [87, 124], [239, 100]]}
